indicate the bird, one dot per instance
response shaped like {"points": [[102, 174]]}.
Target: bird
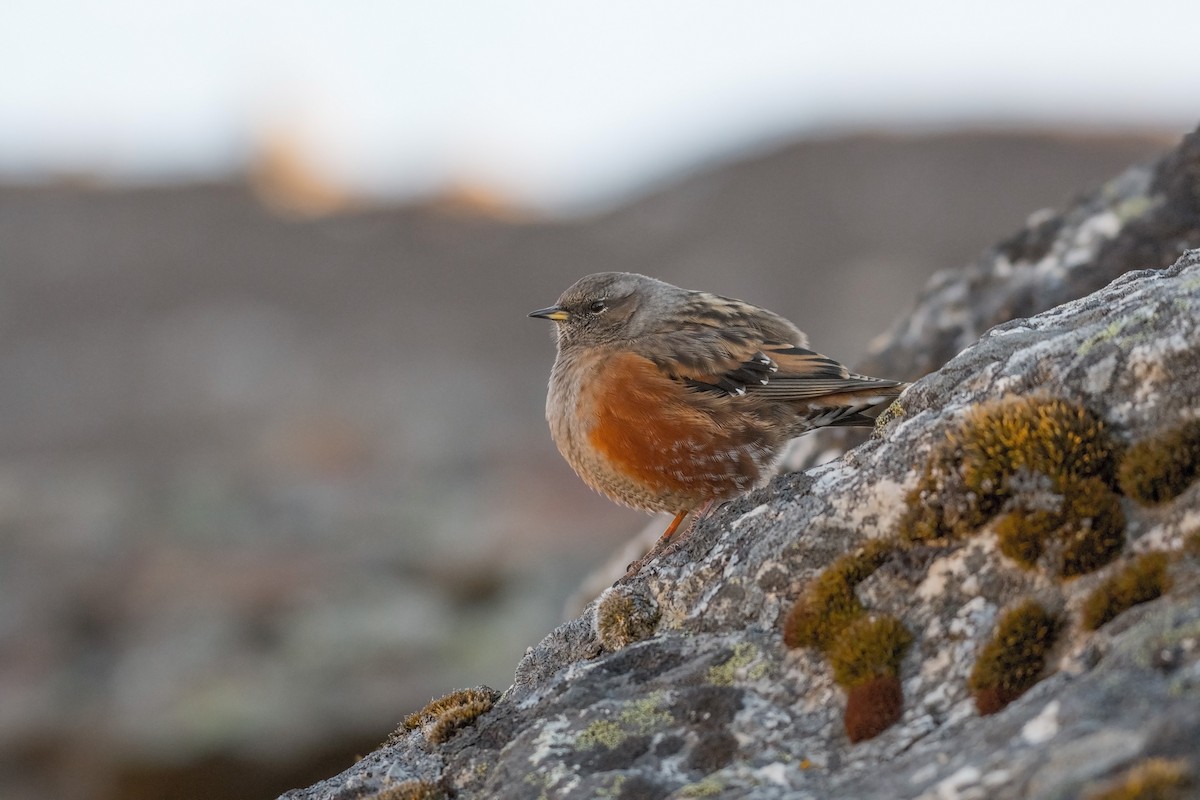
{"points": [[669, 399]]}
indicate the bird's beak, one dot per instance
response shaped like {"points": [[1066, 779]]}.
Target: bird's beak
{"points": [[553, 312]]}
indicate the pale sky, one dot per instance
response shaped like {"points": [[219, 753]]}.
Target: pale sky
{"points": [[555, 101]]}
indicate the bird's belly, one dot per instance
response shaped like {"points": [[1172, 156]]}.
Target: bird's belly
{"points": [[649, 442]]}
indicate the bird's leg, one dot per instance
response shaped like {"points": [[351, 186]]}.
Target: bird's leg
{"points": [[668, 543], [671, 528], [681, 538], [659, 546]]}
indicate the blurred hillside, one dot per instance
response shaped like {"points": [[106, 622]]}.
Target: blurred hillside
{"points": [[257, 470]]}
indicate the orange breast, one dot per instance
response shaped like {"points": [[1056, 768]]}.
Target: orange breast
{"points": [[670, 441]]}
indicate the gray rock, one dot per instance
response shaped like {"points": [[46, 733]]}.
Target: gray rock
{"points": [[714, 705], [1144, 218]]}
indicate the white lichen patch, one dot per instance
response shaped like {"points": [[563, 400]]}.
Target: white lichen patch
{"points": [[1170, 533], [1146, 368], [751, 514], [776, 773], [544, 757], [976, 614], [1100, 375], [956, 785], [1088, 237], [947, 571], [1044, 726]]}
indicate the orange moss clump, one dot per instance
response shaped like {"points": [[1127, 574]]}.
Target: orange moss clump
{"points": [[1084, 534], [1052, 437], [873, 706], [868, 648], [866, 662]]}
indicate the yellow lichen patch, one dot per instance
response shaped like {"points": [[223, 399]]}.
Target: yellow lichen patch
{"points": [[1140, 581], [601, 733], [441, 718], [1011, 662], [1159, 469], [829, 603], [744, 654], [1152, 779], [708, 786], [639, 718], [868, 648]]}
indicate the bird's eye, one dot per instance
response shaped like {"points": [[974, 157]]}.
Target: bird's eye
{"points": [[596, 306]]}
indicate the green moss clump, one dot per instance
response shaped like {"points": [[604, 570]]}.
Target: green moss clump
{"points": [[1094, 528], [829, 604], [1012, 660], [1022, 534], [1084, 534], [939, 507], [864, 652], [1142, 580], [866, 662], [1045, 435], [1152, 779], [624, 615], [441, 718], [969, 477], [1159, 469], [868, 648], [412, 790]]}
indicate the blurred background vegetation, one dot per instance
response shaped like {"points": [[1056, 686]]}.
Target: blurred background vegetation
{"points": [[273, 468]]}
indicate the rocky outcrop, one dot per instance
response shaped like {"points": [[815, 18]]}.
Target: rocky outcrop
{"points": [[1145, 218], [903, 596]]}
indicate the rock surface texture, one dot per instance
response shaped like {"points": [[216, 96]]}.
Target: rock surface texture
{"points": [[686, 688]]}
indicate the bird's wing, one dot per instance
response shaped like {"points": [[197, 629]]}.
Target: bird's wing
{"points": [[740, 361], [802, 374]]}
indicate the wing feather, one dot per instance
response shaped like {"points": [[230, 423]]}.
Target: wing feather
{"points": [[730, 348]]}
